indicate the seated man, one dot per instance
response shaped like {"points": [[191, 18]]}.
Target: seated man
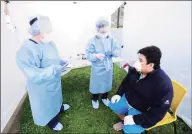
{"points": [[145, 95]]}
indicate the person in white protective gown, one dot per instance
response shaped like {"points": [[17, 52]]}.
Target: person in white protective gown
{"points": [[99, 52], [39, 60]]}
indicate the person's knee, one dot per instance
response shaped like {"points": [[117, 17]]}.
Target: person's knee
{"points": [[112, 106], [115, 107]]}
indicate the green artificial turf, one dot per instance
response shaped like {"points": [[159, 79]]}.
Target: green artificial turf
{"points": [[81, 117]]}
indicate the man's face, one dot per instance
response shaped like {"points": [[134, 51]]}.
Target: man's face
{"points": [[145, 68]]}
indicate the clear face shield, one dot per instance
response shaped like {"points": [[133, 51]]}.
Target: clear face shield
{"points": [[102, 25], [45, 25], [40, 25]]}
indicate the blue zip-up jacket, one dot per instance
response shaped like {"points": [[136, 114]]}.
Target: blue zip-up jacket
{"points": [[151, 95]]}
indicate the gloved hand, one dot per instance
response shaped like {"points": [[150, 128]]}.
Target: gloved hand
{"points": [[115, 98], [125, 65], [99, 56], [58, 68], [64, 62], [128, 120], [137, 66]]}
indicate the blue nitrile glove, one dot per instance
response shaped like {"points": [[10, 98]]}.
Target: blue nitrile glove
{"points": [[63, 62]]}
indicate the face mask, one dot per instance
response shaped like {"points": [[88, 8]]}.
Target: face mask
{"points": [[47, 38], [106, 29], [45, 24], [103, 35], [137, 66]]}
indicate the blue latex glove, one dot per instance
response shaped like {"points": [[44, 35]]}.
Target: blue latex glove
{"points": [[63, 62], [59, 68]]}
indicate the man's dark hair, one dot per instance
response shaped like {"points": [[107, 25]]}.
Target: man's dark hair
{"points": [[152, 54]]}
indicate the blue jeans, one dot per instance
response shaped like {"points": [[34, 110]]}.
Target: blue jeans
{"points": [[123, 107]]}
